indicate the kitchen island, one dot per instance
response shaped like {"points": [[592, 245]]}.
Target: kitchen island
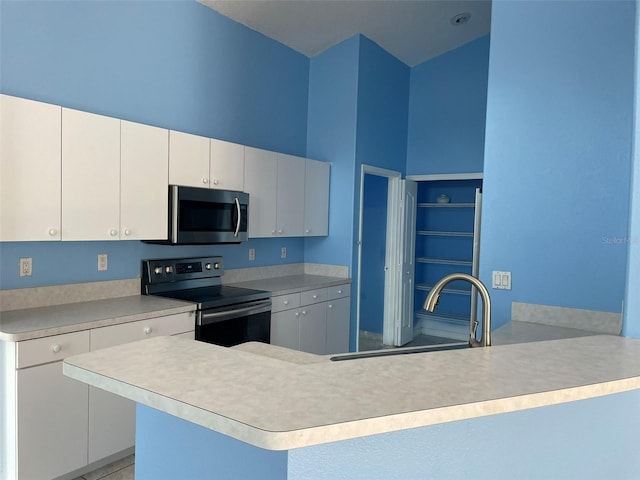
{"points": [[556, 409]]}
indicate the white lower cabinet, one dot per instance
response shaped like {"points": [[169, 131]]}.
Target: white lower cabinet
{"points": [[52, 425], [313, 321]]}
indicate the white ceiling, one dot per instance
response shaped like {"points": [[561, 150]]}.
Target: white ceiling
{"points": [[411, 30]]}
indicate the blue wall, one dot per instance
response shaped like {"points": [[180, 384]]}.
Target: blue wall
{"points": [[557, 153], [174, 64], [447, 109]]}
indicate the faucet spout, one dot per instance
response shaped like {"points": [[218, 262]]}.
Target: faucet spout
{"points": [[434, 295]]}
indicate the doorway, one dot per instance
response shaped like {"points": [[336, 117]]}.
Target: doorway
{"points": [[379, 286]]}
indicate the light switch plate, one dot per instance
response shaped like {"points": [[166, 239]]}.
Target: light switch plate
{"points": [[102, 262], [283, 252], [501, 280], [252, 254]]}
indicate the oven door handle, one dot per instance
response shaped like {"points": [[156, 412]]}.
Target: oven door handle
{"points": [[239, 216], [206, 318]]}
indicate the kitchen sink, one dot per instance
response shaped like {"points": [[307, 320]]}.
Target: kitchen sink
{"points": [[400, 351]]}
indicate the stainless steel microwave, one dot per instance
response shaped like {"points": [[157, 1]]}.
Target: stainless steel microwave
{"points": [[200, 216]]}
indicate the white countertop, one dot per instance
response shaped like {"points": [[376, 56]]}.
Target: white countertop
{"points": [[280, 404], [29, 323], [293, 283]]}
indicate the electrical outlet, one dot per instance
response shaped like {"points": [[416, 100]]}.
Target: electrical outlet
{"points": [[102, 262], [26, 265], [252, 254], [283, 252]]}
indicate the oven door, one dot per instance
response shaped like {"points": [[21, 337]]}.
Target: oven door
{"points": [[235, 324]]}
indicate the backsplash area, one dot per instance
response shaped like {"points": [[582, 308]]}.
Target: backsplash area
{"points": [[591, 320], [83, 292]]}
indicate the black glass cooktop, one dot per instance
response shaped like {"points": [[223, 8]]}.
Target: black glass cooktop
{"points": [[217, 295]]}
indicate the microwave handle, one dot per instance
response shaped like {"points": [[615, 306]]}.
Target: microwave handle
{"points": [[239, 216]]}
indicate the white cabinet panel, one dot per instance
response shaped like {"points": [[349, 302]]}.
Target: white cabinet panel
{"points": [[30, 162], [260, 182], [338, 314], [313, 328], [285, 329], [51, 349], [144, 164], [226, 165], [290, 196], [52, 422], [316, 198], [188, 159], [90, 176]]}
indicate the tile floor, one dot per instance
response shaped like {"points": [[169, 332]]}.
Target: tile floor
{"points": [[373, 341], [118, 470]]}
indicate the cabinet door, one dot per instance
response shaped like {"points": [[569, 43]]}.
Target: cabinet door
{"points": [[90, 176], [290, 196], [316, 198], [260, 182], [144, 180], [226, 165], [52, 422], [188, 160], [30, 186], [338, 314], [313, 328], [285, 329]]}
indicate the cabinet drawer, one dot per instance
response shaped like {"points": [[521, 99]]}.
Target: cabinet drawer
{"points": [[313, 296], [51, 349], [130, 332], [285, 302], [339, 291]]}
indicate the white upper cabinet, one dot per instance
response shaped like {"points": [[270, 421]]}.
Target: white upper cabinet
{"points": [[290, 196], [30, 184], [144, 165], [226, 167], [90, 176], [188, 159], [260, 182], [316, 198]]}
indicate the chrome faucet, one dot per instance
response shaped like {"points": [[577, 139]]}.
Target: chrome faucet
{"points": [[434, 295]]}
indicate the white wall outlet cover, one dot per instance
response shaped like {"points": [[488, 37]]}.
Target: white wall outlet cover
{"points": [[102, 262], [26, 266], [252, 254], [283, 252]]}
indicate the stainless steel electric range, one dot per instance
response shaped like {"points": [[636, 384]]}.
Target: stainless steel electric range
{"points": [[225, 315]]}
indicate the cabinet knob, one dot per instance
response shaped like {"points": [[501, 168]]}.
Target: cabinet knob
{"points": [[205, 180], [315, 296], [280, 232], [113, 232], [339, 292], [304, 312], [330, 306], [215, 181], [127, 232], [286, 302], [53, 232], [297, 314], [273, 232], [307, 231], [148, 330], [56, 348]]}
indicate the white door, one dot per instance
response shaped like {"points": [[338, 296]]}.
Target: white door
{"points": [[260, 181], [404, 327], [30, 164], [188, 160], [316, 198], [90, 176], [290, 196], [143, 184]]}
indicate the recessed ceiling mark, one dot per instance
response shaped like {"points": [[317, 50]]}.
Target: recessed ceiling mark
{"points": [[461, 18]]}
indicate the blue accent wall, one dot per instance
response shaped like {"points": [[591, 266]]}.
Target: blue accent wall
{"points": [[557, 153], [174, 64], [447, 109]]}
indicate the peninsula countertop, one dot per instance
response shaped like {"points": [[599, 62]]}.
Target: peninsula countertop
{"points": [[278, 402]]}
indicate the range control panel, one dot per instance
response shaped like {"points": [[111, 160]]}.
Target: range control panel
{"points": [[176, 269]]}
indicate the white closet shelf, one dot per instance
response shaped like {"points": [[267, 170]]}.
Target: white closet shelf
{"points": [[446, 205], [444, 261], [458, 291], [437, 233], [454, 318]]}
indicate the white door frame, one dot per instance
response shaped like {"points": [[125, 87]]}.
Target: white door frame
{"points": [[392, 254]]}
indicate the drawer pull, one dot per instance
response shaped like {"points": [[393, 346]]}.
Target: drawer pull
{"points": [[304, 312], [56, 348], [339, 292], [286, 302], [53, 232], [315, 296], [330, 306], [148, 330]]}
